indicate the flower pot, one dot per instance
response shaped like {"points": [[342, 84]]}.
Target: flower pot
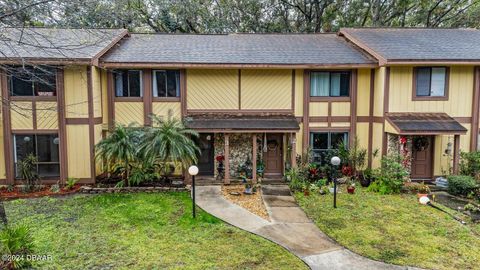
{"points": [[364, 181], [248, 190], [419, 195], [351, 190]]}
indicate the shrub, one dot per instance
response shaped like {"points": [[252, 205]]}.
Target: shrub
{"points": [[17, 242], [70, 183], [461, 184], [295, 180], [390, 177], [470, 164], [28, 171]]}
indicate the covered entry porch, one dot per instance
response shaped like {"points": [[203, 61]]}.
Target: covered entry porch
{"points": [[234, 147], [429, 143]]}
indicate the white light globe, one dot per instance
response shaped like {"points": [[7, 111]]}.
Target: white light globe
{"points": [[335, 161], [193, 170], [424, 200]]}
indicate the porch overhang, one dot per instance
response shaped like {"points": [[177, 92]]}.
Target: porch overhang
{"points": [[243, 123], [423, 124]]}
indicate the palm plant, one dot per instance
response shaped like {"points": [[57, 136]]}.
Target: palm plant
{"points": [[119, 148], [169, 142], [16, 242]]}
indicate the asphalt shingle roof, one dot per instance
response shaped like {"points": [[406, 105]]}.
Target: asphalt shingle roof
{"points": [[419, 43], [288, 49], [55, 43], [430, 123]]}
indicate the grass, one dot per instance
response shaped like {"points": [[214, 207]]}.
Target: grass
{"points": [[395, 229], [140, 231]]}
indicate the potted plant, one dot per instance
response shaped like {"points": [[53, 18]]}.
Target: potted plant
{"points": [[366, 177], [473, 211], [423, 190], [220, 166], [351, 188], [260, 168]]}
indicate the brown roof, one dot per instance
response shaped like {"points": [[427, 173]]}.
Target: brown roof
{"points": [[243, 123], [425, 123]]}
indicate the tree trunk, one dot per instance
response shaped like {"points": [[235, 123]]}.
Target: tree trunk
{"points": [[3, 215]]}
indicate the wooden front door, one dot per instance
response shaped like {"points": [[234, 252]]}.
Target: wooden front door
{"points": [[206, 158], [422, 160], [273, 157]]}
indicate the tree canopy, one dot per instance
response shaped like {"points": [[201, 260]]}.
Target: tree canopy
{"points": [[251, 16]]}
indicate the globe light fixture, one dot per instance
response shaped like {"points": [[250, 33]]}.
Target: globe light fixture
{"points": [[424, 200], [193, 170], [335, 161]]}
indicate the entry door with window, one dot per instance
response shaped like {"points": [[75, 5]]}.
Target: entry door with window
{"points": [[422, 158], [206, 158], [273, 156]]}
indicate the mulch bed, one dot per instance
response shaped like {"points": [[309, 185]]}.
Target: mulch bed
{"points": [[253, 203], [17, 192]]}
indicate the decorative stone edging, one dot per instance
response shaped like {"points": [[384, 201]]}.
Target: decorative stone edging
{"points": [[94, 190]]}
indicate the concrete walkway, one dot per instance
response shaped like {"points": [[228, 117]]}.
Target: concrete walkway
{"points": [[289, 227]]}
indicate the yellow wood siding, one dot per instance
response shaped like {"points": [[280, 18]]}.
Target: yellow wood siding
{"points": [[318, 124], [76, 93], [266, 89], [340, 124], [363, 92], [318, 109], [340, 108], [129, 112], [21, 115], [78, 154], [378, 91], [104, 97], [163, 109], [377, 143], [442, 161], [97, 138], [212, 89], [299, 99], [97, 92], [299, 137], [47, 115], [362, 134], [460, 90]]}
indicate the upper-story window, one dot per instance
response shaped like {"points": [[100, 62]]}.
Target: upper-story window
{"points": [[430, 81], [128, 83], [166, 83], [330, 84], [33, 81]]}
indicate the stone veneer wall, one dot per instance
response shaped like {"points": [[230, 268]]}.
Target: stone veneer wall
{"points": [[240, 149]]}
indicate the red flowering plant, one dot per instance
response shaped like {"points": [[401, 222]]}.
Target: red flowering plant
{"points": [[347, 170], [220, 158]]}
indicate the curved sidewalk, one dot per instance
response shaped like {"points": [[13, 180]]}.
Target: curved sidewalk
{"points": [[289, 227]]}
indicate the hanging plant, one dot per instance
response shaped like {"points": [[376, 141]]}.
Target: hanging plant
{"points": [[421, 143]]}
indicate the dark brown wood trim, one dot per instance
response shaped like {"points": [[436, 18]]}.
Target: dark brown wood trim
{"points": [[140, 65], [110, 100], [83, 121], [331, 119], [91, 125], [456, 153], [147, 96], [353, 106], [463, 120], [328, 99], [62, 128], [239, 89], [371, 119], [128, 99], [36, 131], [253, 111], [183, 91], [167, 99], [34, 114], [363, 119], [414, 86], [7, 127], [33, 98], [330, 129], [329, 114], [293, 90], [386, 105], [306, 110], [378, 119], [206, 130], [475, 109]]}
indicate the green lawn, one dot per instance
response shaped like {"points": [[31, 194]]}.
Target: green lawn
{"points": [[395, 229], [140, 231]]}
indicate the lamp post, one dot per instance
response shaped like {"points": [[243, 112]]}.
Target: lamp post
{"points": [[193, 170], [335, 162]]}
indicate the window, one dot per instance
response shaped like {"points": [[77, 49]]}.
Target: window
{"points": [[33, 81], [166, 83], [44, 147], [322, 143], [430, 81], [330, 84], [128, 83]]}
